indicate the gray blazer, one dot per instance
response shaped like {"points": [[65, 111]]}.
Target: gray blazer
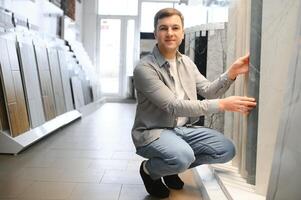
{"points": [[158, 108]]}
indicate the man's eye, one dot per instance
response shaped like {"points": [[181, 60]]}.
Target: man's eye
{"points": [[176, 28], [162, 28]]}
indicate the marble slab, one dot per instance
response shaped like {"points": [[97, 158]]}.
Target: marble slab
{"points": [[279, 28], [285, 179], [216, 65]]}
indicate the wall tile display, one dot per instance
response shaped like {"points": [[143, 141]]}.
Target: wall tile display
{"points": [[280, 21], [285, 179], [45, 81], [31, 83], [216, 65], [12, 89], [66, 80], [77, 92], [56, 81]]}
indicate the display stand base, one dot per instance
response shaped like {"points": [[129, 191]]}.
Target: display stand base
{"points": [[13, 145]]}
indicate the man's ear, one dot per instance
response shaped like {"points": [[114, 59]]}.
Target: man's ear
{"points": [[155, 34]]}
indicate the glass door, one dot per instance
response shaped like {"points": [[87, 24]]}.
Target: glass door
{"points": [[109, 55], [116, 54]]}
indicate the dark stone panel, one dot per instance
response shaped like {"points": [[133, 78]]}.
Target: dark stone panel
{"points": [[145, 35], [200, 60], [253, 88]]}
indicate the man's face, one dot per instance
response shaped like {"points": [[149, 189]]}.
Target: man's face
{"points": [[169, 33]]}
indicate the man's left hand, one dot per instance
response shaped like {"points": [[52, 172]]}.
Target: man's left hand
{"points": [[240, 66]]}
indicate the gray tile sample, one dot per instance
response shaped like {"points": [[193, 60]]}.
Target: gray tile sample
{"points": [[253, 88], [32, 84], [14, 113], [45, 81], [66, 80], [77, 92], [56, 81], [285, 179], [216, 65]]}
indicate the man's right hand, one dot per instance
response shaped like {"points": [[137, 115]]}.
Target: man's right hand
{"points": [[237, 104]]}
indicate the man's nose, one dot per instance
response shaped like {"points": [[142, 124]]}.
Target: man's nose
{"points": [[169, 31]]}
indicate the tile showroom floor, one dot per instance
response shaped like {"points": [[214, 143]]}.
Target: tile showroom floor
{"points": [[92, 158]]}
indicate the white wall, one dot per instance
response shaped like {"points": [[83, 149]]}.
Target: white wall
{"points": [[89, 28], [40, 13]]}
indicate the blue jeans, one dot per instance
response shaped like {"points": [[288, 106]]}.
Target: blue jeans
{"points": [[182, 148]]}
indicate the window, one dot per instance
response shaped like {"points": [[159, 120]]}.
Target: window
{"points": [[118, 7]]}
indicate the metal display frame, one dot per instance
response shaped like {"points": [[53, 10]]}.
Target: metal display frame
{"points": [[14, 145]]}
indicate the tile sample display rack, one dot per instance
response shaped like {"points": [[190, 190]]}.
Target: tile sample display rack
{"points": [[13, 145]]}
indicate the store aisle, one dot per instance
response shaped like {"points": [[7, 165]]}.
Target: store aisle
{"points": [[91, 159]]}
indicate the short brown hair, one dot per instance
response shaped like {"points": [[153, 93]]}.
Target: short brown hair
{"points": [[167, 12]]}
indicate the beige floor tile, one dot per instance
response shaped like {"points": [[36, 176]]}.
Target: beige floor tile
{"points": [[48, 190], [121, 177], [71, 163], [13, 188], [109, 164], [134, 192], [80, 175], [96, 192], [41, 174], [124, 155]]}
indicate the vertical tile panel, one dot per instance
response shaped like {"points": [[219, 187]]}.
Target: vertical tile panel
{"points": [[45, 81], [216, 61], [285, 179], [13, 93], [3, 113], [200, 60], [279, 27], [77, 92], [21, 118], [32, 84], [57, 81], [66, 80], [253, 88]]}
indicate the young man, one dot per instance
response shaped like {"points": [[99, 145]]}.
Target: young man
{"points": [[167, 84]]}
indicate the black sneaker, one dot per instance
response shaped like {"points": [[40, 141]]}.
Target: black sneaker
{"points": [[173, 182], [154, 187]]}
